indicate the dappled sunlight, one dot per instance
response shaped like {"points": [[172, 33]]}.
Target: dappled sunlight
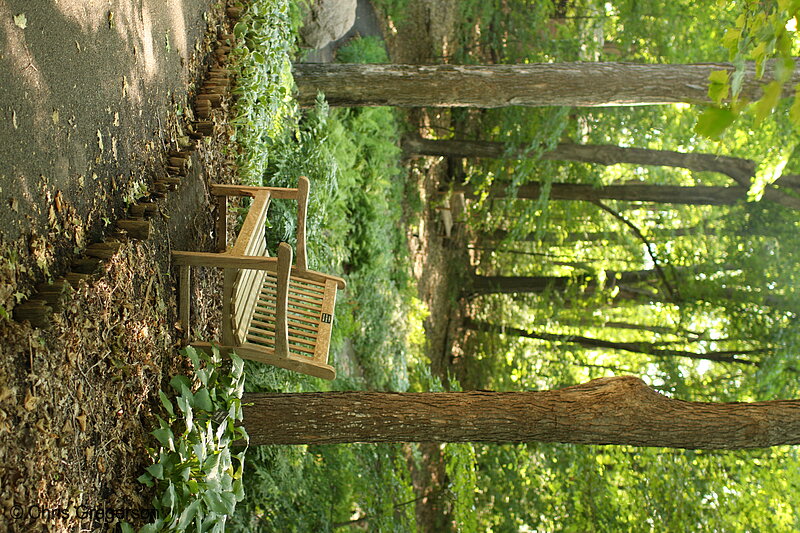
{"points": [[135, 25], [178, 33], [145, 32], [20, 56], [89, 14]]}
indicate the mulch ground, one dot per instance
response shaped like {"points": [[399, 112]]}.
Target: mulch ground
{"points": [[77, 399]]}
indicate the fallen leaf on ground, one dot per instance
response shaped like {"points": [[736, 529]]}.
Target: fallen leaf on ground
{"points": [[30, 401], [21, 21]]}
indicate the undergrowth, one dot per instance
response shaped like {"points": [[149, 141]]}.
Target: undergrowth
{"points": [[355, 229], [196, 471], [262, 62]]}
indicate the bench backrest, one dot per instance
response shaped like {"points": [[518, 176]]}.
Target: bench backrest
{"points": [[309, 314]]}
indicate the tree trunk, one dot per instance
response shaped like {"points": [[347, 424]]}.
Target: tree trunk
{"points": [[646, 348], [591, 236], [543, 84], [619, 410], [740, 170], [664, 194], [539, 284]]}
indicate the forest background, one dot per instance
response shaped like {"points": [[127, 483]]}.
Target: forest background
{"points": [[512, 248], [695, 296]]}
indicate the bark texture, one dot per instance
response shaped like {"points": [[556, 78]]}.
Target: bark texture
{"points": [[487, 86], [739, 169], [664, 194], [619, 410], [590, 236]]}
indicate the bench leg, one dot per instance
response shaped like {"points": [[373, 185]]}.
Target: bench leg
{"points": [[184, 293], [222, 223]]}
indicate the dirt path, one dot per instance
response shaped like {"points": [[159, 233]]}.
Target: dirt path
{"points": [[91, 97], [425, 36], [86, 88]]}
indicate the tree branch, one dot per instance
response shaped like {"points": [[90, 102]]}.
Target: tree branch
{"points": [[648, 245]]}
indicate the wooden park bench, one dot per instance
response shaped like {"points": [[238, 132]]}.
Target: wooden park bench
{"points": [[272, 312]]}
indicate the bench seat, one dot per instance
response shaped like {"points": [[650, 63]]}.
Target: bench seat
{"points": [[272, 311]]}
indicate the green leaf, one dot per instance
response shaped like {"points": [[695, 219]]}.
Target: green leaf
{"points": [[185, 406], [219, 525], [155, 527], [192, 354], [202, 400], [211, 466], [235, 410], [222, 428], [166, 403], [719, 76], [21, 21], [199, 450], [759, 54], [713, 122], [237, 367], [179, 382], [203, 374], [718, 86], [229, 500], [215, 502], [238, 489], [145, 479], [770, 99], [784, 67], [737, 80], [215, 357], [188, 515], [731, 39], [156, 470], [165, 437], [170, 497], [794, 111]]}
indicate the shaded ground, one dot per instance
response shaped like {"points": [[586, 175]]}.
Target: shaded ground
{"points": [[92, 96], [85, 92]]}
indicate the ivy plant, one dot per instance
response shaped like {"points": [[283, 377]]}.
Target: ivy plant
{"points": [[198, 464]]}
